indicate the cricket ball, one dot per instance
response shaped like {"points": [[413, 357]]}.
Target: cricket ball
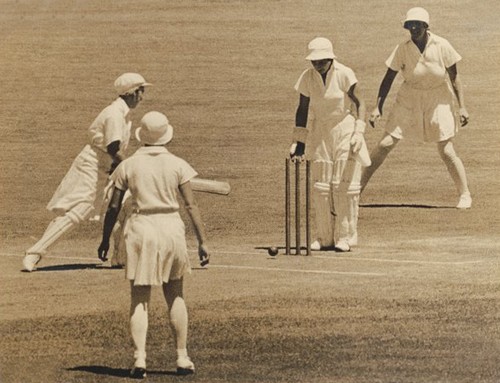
{"points": [[272, 251]]}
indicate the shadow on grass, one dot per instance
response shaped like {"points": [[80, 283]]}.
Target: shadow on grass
{"points": [[404, 205], [117, 372], [72, 266]]}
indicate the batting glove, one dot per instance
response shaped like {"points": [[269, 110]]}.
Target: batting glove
{"points": [[297, 151], [357, 137]]}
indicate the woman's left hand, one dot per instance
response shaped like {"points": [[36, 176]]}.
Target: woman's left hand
{"points": [[464, 117]]}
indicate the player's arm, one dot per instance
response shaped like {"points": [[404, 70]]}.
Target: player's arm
{"points": [[195, 215], [300, 132], [456, 84], [113, 148], [360, 124], [385, 87], [109, 222]]}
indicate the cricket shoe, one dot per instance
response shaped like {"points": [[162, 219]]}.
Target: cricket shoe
{"points": [[342, 246], [465, 201], [138, 373], [316, 246], [185, 366], [30, 261]]}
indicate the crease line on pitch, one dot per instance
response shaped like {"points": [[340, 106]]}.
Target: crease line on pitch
{"points": [[297, 270]]}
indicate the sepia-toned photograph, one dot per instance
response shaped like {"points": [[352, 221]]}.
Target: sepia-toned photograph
{"points": [[226, 191]]}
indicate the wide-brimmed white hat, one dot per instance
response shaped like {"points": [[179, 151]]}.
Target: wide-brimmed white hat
{"points": [[128, 83], [320, 48], [417, 14], [154, 129]]}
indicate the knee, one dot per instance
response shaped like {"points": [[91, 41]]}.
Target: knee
{"points": [[80, 213], [447, 151]]}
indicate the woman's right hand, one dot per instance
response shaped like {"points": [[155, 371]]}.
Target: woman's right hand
{"points": [[204, 255]]}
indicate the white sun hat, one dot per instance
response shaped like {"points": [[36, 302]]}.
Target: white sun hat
{"points": [[128, 83], [154, 129], [320, 48], [417, 14]]}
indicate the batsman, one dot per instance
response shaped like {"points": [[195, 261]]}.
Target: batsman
{"points": [[334, 143], [81, 191]]}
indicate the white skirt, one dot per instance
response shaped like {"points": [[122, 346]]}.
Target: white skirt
{"points": [[156, 248], [426, 115]]}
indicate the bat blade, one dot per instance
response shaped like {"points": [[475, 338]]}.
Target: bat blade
{"points": [[210, 186]]}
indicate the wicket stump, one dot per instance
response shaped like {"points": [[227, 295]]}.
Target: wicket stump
{"points": [[298, 226]]}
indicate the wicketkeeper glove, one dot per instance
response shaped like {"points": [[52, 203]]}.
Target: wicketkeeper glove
{"points": [[357, 137]]}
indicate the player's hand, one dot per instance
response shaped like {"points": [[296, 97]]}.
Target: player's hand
{"points": [[356, 141], [204, 255], [297, 151], [464, 117], [375, 116], [102, 251]]}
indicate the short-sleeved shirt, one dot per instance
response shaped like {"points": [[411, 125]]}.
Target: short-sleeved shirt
{"points": [[153, 175], [327, 100], [425, 70], [111, 125]]}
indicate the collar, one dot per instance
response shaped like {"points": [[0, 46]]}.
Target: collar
{"points": [[122, 106], [152, 150], [430, 38]]}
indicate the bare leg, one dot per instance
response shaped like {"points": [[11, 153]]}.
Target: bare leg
{"points": [[378, 156], [139, 304], [173, 292], [455, 167]]}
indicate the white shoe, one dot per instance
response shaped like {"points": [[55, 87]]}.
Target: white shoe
{"points": [[30, 261], [465, 201], [316, 246], [353, 240], [184, 365], [342, 246]]}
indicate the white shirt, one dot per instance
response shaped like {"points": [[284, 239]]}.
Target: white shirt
{"points": [[327, 101], [111, 125], [153, 175], [425, 70]]}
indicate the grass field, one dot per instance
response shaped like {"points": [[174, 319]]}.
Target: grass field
{"points": [[416, 301]]}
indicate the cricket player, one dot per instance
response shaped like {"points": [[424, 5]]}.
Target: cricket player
{"points": [[81, 191], [155, 233], [334, 142], [426, 104]]}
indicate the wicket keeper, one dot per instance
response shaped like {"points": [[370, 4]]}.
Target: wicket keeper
{"points": [[426, 104]]}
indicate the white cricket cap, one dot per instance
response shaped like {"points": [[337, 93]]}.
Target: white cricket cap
{"points": [[128, 83], [154, 129], [320, 48], [417, 14]]}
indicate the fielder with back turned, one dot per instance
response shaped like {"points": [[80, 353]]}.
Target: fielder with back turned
{"points": [[80, 193]]}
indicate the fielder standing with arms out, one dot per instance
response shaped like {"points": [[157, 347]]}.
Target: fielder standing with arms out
{"points": [[81, 191], [334, 142], [425, 106], [155, 234]]}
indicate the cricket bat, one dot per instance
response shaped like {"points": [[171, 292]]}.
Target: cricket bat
{"points": [[210, 186]]}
